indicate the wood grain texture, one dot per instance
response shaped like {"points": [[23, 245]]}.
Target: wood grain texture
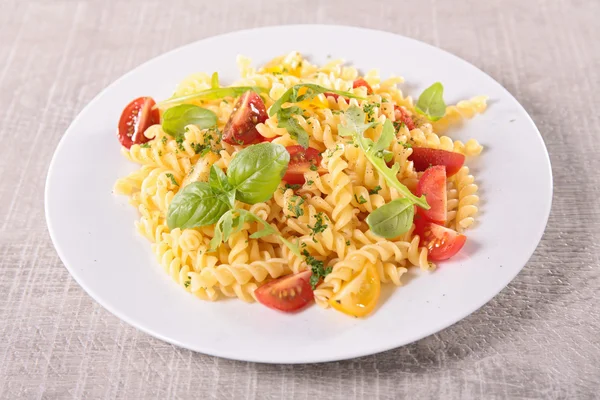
{"points": [[539, 338]]}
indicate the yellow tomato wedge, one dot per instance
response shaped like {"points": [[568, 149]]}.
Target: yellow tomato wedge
{"points": [[359, 296]]}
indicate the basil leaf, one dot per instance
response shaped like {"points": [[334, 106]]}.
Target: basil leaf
{"points": [[196, 205], [212, 94], [292, 95], [431, 102], [287, 121], [175, 119], [218, 180], [256, 171], [392, 219], [355, 126]]}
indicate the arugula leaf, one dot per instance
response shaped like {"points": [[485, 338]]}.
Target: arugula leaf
{"points": [[392, 219], [256, 171], [355, 127], [286, 120], [431, 102], [175, 119], [233, 221], [212, 94], [214, 80], [296, 94], [196, 205]]}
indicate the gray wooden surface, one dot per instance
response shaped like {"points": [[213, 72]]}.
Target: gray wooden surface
{"points": [[539, 338]]}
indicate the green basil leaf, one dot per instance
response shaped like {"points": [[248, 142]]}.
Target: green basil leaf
{"points": [[196, 205], [175, 119], [256, 171], [292, 95], [218, 180], [212, 94], [431, 102], [355, 126], [392, 219], [287, 121]]}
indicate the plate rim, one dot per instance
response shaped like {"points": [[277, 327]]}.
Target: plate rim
{"points": [[348, 354]]}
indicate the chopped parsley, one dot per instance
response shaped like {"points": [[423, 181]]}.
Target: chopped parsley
{"points": [[313, 167], [375, 190], [188, 283], [317, 267], [319, 225], [310, 182], [201, 149], [164, 140], [347, 243], [145, 145], [384, 100], [369, 109], [172, 178], [398, 125], [360, 200], [294, 186], [295, 206], [405, 145], [179, 141], [330, 152]]}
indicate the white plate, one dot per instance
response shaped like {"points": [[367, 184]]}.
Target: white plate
{"points": [[94, 235]]}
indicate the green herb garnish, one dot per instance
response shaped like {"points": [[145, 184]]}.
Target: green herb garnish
{"points": [[172, 178], [431, 102], [295, 94], [319, 225], [360, 200], [355, 126], [317, 267], [375, 190], [175, 119]]}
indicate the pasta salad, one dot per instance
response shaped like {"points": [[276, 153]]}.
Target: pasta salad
{"points": [[298, 183]]}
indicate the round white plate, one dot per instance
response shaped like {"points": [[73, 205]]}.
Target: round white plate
{"points": [[94, 234]]}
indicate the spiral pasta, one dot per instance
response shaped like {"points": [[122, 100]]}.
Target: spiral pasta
{"points": [[326, 214]]}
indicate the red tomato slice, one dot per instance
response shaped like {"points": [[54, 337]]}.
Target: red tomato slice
{"points": [[301, 161], [361, 82], [135, 119], [288, 293], [248, 112], [433, 185], [424, 158], [403, 116], [441, 242]]}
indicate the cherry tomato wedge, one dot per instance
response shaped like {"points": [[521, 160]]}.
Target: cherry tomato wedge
{"points": [[433, 185], [135, 119], [441, 242], [402, 115], [423, 158], [359, 296], [288, 293], [361, 82], [248, 112], [301, 161]]}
